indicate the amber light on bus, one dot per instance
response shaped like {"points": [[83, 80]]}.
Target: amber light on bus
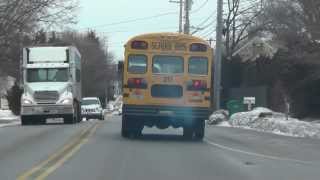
{"points": [[197, 85], [138, 83], [139, 45]]}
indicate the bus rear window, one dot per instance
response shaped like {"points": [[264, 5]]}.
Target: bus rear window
{"points": [[167, 64], [137, 64], [198, 65]]}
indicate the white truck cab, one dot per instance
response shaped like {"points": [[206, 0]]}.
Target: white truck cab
{"points": [[52, 84]]}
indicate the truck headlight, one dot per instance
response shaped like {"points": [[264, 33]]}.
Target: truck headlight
{"points": [[66, 101], [26, 102]]}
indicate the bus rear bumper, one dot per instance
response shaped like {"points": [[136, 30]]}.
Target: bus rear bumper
{"points": [[170, 112]]}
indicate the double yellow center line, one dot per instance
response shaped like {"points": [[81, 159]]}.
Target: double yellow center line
{"points": [[57, 159]]}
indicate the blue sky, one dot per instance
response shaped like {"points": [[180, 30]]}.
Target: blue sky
{"points": [[104, 16]]}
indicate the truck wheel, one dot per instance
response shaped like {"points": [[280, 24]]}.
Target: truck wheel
{"points": [[199, 130], [77, 113], [26, 120], [187, 132], [39, 120], [73, 118], [68, 119], [125, 128]]}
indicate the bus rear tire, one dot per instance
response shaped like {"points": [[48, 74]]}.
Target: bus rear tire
{"points": [[131, 127], [39, 120], [199, 130], [125, 127], [187, 133]]}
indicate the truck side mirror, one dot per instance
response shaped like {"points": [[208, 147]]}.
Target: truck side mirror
{"points": [[120, 66]]}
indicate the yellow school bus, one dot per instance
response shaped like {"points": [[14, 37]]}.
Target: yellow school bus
{"points": [[166, 82]]}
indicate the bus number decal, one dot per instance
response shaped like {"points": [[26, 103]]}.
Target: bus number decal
{"points": [[166, 45], [168, 79], [155, 45]]}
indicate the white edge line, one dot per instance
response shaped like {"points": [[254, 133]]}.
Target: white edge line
{"points": [[255, 154]]}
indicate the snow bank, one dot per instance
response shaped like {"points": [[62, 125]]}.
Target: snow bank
{"points": [[115, 107], [218, 117], [7, 115], [263, 119]]}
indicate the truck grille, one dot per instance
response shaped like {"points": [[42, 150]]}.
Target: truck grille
{"points": [[44, 97], [166, 91], [89, 110]]}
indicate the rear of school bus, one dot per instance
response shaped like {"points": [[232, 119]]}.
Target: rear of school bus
{"points": [[166, 82]]}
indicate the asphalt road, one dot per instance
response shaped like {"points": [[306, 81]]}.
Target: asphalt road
{"points": [[95, 150]]}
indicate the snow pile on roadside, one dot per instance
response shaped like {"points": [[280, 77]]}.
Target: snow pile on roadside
{"points": [[7, 115], [118, 103], [115, 107], [218, 117], [263, 119]]}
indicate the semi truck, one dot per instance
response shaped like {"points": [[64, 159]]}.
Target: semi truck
{"points": [[51, 84]]}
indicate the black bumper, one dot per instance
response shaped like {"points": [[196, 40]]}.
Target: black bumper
{"points": [[166, 111]]}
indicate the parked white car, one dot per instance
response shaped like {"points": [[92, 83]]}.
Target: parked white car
{"points": [[91, 108]]}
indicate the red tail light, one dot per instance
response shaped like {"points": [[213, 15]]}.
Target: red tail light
{"points": [[139, 83], [195, 85]]}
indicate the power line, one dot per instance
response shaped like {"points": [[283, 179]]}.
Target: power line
{"points": [[207, 19], [132, 20], [200, 7], [125, 30], [207, 35], [144, 18], [204, 27], [181, 3]]}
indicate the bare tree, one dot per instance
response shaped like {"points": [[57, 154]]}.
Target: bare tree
{"points": [[295, 24], [16, 15], [239, 17], [98, 70], [311, 17], [19, 18]]}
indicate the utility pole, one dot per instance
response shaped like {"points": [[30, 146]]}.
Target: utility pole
{"points": [[180, 2], [218, 56], [186, 29], [180, 15], [210, 41]]}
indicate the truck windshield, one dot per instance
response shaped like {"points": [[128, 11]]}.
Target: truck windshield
{"points": [[47, 75]]}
